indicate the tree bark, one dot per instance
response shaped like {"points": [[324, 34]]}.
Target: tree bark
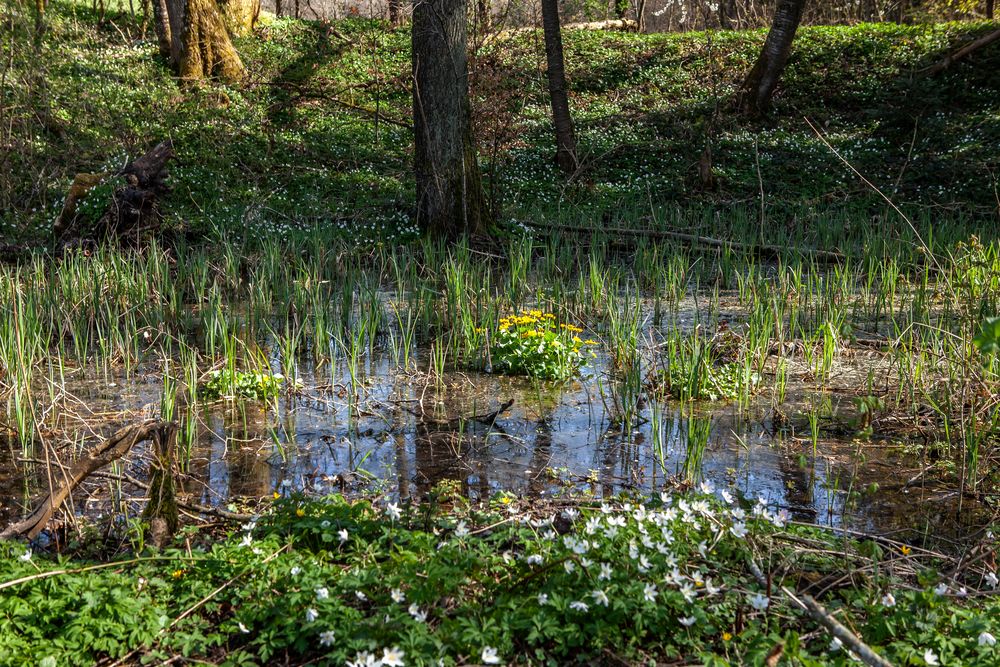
{"points": [[161, 21], [239, 15], [162, 505], [565, 139], [197, 37], [450, 199], [395, 12], [39, 20], [763, 78], [989, 9]]}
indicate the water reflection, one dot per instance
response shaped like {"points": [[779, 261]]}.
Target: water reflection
{"points": [[413, 432]]}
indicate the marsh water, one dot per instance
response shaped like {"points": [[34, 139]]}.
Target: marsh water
{"points": [[404, 430]]}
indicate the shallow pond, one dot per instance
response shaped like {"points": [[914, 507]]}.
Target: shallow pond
{"points": [[407, 431]]}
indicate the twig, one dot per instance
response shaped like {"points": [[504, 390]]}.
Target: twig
{"points": [[816, 611], [100, 566], [838, 630]]}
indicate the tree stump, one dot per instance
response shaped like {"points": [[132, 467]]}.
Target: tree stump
{"points": [[161, 509], [133, 211]]}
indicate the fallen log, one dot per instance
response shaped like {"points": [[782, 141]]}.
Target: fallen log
{"points": [[622, 25], [774, 251], [112, 449], [627, 25], [961, 53]]}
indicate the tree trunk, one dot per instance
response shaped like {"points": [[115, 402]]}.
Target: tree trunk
{"points": [[39, 20], [763, 78], [450, 198], [196, 37], [162, 505], [565, 141], [483, 15], [239, 15], [133, 211], [161, 21], [395, 12], [989, 9]]}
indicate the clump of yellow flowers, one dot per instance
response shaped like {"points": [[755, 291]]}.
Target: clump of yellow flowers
{"points": [[533, 343]]}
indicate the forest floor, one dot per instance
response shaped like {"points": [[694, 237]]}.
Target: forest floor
{"points": [[319, 133], [292, 322]]}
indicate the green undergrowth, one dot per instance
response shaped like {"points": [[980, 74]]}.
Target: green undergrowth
{"points": [[318, 133], [674, 578], [239, 384]]}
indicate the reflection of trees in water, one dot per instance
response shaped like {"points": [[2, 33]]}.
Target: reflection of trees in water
{"points": [[438, 444], [438, 456], [798, 483], [540, 457], [452, 445], [246, 453]]}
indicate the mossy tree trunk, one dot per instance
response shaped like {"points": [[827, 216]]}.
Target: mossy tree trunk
{"points": [[763, 78], [556, 73], [195, 35], [39, 20], [162, 505], [239, 15], [450, 199]]}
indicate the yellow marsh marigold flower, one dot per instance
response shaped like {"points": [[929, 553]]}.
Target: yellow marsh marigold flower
{"points": [[299, 511]]}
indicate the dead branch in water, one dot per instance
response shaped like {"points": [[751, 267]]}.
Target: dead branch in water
{"points": [[109, 451], [488, 419]]}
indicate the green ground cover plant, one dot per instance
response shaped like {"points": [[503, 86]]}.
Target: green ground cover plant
{"points": [[239, 384], [699, 576]]}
